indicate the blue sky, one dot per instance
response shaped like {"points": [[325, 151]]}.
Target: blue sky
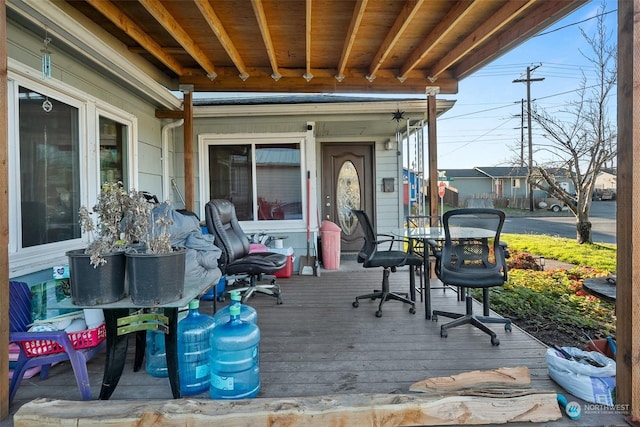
{"points": [[483, 128]]}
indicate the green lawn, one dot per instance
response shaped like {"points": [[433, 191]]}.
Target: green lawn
{"points": [[601, 256], [551, 305]]}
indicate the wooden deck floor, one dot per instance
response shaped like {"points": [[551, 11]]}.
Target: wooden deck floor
{"points": [[316, 343]]}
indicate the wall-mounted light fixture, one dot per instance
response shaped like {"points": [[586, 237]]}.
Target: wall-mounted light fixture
{"points": [[388, 145]]}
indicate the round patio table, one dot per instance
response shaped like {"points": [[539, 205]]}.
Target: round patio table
{"points": [[601, 287]]}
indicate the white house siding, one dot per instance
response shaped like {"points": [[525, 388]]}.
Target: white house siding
{"points": [[388, 205], [100, 94]]}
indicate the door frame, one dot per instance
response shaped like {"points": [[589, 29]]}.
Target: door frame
{"points": [[368, 188]]}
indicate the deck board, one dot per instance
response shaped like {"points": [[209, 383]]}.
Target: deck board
{"points": [[316, 343]]}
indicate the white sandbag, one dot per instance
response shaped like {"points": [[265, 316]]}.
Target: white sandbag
{"points": [[590, 383]]}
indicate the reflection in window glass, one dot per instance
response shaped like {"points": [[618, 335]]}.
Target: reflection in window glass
{"points": [[278, 181], [230, 177], [49, 169], [113, 142], [277, 194]]}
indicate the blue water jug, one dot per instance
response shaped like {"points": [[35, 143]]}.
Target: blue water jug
{"points": [[194, 337], [155, 354], [234, 361], [247, 313]]}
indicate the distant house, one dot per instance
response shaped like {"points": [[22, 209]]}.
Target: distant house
{"points": [[495, 182], [606, 179]]}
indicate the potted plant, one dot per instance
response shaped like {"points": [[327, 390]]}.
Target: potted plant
{"points": [[155, 269], [97, 273]]}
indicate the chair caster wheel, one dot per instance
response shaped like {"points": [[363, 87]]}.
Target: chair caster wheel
{"points": [[507, 327], [495, 341], [443, 333], [355, 304], [378, 313], [434, 317], [412, 310], [279, 300]]}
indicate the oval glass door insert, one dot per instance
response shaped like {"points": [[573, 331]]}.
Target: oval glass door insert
{"points": [[348, 197]]}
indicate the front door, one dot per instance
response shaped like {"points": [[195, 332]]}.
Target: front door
{"points": [[347, 183]]}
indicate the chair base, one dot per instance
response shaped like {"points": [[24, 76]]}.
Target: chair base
{"points": [[272, 289], [471, 319], [386, 295]]}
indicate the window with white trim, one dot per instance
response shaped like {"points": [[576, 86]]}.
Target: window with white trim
{"points": [[261, 177], [49, 150], [57, 165]]}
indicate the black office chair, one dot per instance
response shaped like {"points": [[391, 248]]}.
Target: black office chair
{"points": [[236, 260], [472, 256], [371, 255]]}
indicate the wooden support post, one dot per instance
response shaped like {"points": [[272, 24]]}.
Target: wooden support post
{"points": [[432, 155], [188, 151], [4, 218], [628, 199]]}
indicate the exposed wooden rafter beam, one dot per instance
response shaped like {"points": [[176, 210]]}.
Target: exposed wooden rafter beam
{"points": [[446, 25], [307, 75], [500, 19], [258, 10], [356, 19], [511, 38], [323, 81], [122, 21], [218, 29], [400, 25], [162, 15]]}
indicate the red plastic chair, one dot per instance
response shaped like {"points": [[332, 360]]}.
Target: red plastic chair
{"points": [[19, 318]]}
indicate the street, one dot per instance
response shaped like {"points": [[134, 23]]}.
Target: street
{"points": [[603, 220]]}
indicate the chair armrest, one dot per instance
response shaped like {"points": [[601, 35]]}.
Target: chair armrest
{"points": [[387, 238], [59, 337], [436, 248], [505, 248]]}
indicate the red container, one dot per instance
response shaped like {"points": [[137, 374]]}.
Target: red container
{"points": [[287, 270], [80, 339]]}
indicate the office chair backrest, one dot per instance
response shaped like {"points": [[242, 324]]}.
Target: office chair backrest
{"points": [[369, 246], [472, 244], [223, 223]]}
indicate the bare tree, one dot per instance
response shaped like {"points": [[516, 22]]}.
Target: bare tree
{"points": [[581, 138]]}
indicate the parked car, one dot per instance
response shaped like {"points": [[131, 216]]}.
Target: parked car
{"points": [[600, 194]]}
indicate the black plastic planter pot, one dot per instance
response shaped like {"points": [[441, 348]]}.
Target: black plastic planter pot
{"points": [[100, 285], [156, 279]]}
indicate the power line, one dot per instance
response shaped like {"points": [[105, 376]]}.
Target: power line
{"points": [[575, 23]]}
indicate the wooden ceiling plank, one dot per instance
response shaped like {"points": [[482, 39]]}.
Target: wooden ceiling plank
{"points": [[307, 75], [218, 29], [439, 33], [258, 10], [499, 20], [356, 19], [401, 24], [230, 72], [162, 15], [122, 21]]}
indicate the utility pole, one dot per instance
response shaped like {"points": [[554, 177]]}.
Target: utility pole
{"points": [[528, 81], [522, 133]]}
